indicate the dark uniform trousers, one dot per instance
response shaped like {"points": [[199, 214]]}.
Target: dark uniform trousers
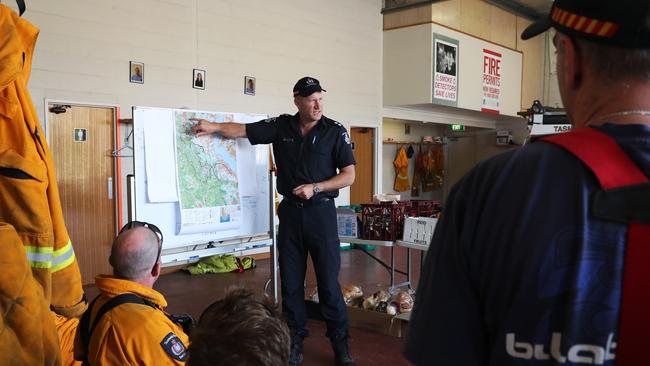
{"points": [[311, 228]]}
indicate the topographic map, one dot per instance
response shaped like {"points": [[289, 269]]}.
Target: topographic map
{"points": [[207, 173]]}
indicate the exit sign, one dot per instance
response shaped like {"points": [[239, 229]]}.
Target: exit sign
{"points": [[457, 128]]}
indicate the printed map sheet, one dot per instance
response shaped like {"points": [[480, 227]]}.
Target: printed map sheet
{"points": [[209, 192]]}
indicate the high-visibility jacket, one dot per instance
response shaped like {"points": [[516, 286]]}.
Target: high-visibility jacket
{"points": [[29, 197], [132, 334], [29, 335]]}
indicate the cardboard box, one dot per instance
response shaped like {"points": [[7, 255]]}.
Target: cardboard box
{"points": [[377, 322], [373, 321], [419, 229]]}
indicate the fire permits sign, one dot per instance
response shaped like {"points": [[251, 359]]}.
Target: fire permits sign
{"points": [[491, 81], [445, 70]]}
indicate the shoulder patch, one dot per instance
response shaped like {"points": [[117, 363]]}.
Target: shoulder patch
{"points": [[346, 137], [174, 347]]}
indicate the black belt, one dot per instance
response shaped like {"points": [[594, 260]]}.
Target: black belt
{"points": [[301, 203]]}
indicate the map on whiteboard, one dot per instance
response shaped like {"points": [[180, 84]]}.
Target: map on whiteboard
{"points": [[207, 175]]}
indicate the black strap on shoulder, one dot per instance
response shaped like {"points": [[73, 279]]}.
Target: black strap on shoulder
{"points": [[87, 331], [626, 204], [84, 329], [21, 6]]}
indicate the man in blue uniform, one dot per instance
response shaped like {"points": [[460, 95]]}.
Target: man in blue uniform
{"points": [[522, 270], [314, 159]]}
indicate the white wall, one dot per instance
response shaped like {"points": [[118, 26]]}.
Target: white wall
{"points": [[408, 68], [84, 49]]}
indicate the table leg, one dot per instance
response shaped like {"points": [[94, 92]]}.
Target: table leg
{"points": [[408, 267], [392, 266]]}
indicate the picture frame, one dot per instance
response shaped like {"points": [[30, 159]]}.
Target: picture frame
{"points": [[136, 72], [249, 85], [198, 79]]}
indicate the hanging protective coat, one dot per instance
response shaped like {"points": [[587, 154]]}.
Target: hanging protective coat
{"points": [[401, 164], [28, 190]]}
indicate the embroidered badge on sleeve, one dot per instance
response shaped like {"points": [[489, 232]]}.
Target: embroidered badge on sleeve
{"points": [[174, 347], [346, 137]]}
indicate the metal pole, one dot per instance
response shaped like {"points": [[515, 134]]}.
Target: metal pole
{"points": [[274, 249]]}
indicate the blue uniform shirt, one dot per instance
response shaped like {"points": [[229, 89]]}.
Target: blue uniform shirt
{"points": [[518, 273], [299, 160]]}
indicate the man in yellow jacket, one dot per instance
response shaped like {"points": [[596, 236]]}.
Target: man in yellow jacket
{"points": [[29, 198], [131, 333]]}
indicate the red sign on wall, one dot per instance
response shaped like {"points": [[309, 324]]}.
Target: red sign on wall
{"points": [[491, 81]]}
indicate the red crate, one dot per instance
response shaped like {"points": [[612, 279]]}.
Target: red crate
{"points": [[424, 208], [384, 221]]}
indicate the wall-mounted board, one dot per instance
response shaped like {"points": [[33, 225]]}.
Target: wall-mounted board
{"points": [[198, 190]]}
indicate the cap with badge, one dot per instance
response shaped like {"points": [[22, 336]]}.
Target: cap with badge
{"points": [[307, 86], [624, 23]]}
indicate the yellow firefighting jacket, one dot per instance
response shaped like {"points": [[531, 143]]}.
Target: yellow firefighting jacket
{"points": [[132, 334], [401, 164], [28, 335], [67, 328], [28, 192]]}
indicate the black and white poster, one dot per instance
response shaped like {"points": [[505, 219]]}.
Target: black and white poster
{"points": [[445, 70]]}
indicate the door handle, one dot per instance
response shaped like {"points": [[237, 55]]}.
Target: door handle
{"points": [[110, 188]]}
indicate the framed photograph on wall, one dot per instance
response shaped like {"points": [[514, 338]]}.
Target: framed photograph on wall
{"points": [[136, 72], [198, 79], [249, 85]]}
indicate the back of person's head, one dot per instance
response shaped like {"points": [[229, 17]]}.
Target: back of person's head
{"points": [[135, 252], [614, 63], [240, 330]]}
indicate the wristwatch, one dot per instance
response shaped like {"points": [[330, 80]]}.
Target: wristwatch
{"points": [[316, 188]]}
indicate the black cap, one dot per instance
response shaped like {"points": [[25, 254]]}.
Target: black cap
{"points": [[624, 23], [306, 87]]}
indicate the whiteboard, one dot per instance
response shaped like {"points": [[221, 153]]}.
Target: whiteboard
{"points": [[157, 202]]}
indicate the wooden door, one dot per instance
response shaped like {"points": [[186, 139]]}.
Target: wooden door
{"points": [[363, 140], [82, 139]]}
